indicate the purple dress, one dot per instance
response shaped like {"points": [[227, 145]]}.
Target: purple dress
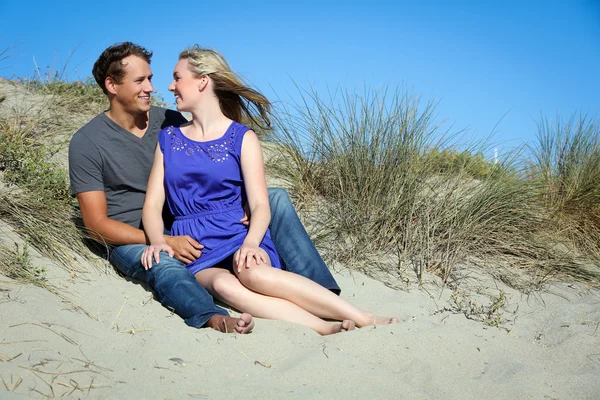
{"points": [[205, 192]]}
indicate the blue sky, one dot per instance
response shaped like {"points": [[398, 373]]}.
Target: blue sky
{"points": [[479, 59]]}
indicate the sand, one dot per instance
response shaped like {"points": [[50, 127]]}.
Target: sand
{"points": [[106, 337]]}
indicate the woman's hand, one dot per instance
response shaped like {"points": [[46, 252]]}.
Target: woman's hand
{"points": [[244, 255], [154, 251]]}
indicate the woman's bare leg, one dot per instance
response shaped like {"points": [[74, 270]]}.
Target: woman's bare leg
{"points": [[227, 288], [305, 293]]}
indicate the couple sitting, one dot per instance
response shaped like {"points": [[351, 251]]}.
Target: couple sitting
{"points": [[126, 162]]}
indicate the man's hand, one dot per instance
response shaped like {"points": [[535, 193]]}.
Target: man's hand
{"points": [[186, 249], [246, 219]]}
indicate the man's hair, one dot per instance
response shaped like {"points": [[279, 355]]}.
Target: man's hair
{"points": [[110, 62]]}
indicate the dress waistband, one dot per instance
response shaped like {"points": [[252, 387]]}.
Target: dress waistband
{"points": [[209, 212]]}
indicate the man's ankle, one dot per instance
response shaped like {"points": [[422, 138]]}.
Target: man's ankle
{"points": [[215, 322]]}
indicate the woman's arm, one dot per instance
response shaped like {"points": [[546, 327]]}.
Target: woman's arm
{"points": [[253, 173], [152, 213]]}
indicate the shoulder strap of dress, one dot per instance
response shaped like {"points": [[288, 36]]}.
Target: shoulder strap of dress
{"points": [[237, 136]]}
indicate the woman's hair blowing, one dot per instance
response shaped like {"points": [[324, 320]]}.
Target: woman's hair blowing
{"points": [[237, 101]]}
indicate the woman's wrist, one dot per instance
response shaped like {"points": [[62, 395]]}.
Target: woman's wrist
{"points": [[251, 242]]}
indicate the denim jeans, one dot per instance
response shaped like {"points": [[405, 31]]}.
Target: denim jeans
{"points": [[296, 250], [174, 286], [177, 289]]}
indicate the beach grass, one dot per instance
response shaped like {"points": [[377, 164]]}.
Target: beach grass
{"points": [[35, 199], [566, 163], [381, 176], [375, 174]]}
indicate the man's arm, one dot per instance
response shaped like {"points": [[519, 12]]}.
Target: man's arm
{"points": [[94, 212]]}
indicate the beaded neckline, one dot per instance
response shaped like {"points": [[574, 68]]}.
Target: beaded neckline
{"points": [[216, 149]]}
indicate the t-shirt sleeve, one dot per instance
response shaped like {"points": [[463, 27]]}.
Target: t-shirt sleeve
{"points": [[85, 165]]}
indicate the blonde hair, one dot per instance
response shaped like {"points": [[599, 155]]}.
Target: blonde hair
{"points": [[237, 101]]}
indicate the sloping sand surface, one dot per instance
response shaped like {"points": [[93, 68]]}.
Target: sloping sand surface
{"points": [[129, 346]]}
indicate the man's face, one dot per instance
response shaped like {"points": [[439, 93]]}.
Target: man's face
{"points": [[133, 93]]}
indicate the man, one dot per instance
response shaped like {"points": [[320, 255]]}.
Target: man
{"points": [[110, 159]]}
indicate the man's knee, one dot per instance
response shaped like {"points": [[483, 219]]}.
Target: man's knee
{"points": [[278, 197], [168, 269]]}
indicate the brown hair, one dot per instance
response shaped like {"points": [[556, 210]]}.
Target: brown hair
{"points": [[237, 101], [110, 62]]}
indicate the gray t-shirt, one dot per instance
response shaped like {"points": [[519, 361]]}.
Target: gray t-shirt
{"points": [[105, 156]]}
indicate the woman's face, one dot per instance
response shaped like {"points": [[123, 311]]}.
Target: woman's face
{"points": [[185, 86]]}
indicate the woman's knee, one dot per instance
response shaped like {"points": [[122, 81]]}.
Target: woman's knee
{"points": [[227, 287], [256, 276]]}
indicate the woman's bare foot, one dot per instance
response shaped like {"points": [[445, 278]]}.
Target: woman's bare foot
{"points": [[384, 320], [370, 320], [347, 325], [337, 327], [226, 324]]}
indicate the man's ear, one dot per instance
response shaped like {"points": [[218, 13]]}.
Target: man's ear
{"points": [[110, 85]]}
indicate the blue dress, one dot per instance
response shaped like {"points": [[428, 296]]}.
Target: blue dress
{"points": [[205, 192]]}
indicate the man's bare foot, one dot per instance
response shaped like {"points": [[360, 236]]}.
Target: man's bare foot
{"points": [[226, 324]]}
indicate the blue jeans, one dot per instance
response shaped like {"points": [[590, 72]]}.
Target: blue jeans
{"points": [[174, 286], [296, 250], [177, 289]]}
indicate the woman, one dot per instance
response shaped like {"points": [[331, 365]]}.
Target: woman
{"points": [[206, 170]]}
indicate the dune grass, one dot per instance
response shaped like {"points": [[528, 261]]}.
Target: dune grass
{"points": [[34, 199], [566, 162], [376, 174], [386, 179]]}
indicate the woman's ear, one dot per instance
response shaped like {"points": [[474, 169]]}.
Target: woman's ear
{"points": [[203, 82]]}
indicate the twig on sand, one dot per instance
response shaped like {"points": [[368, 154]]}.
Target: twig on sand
{"points": [[119, 313], [87, 364], [595, 330], [74, 385], [133, 331], [324, 349], [62, 335], [159, 367], [5, 358], [33, 371], [262, 364], [79, 371], [589, 356], [24, 341]]}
